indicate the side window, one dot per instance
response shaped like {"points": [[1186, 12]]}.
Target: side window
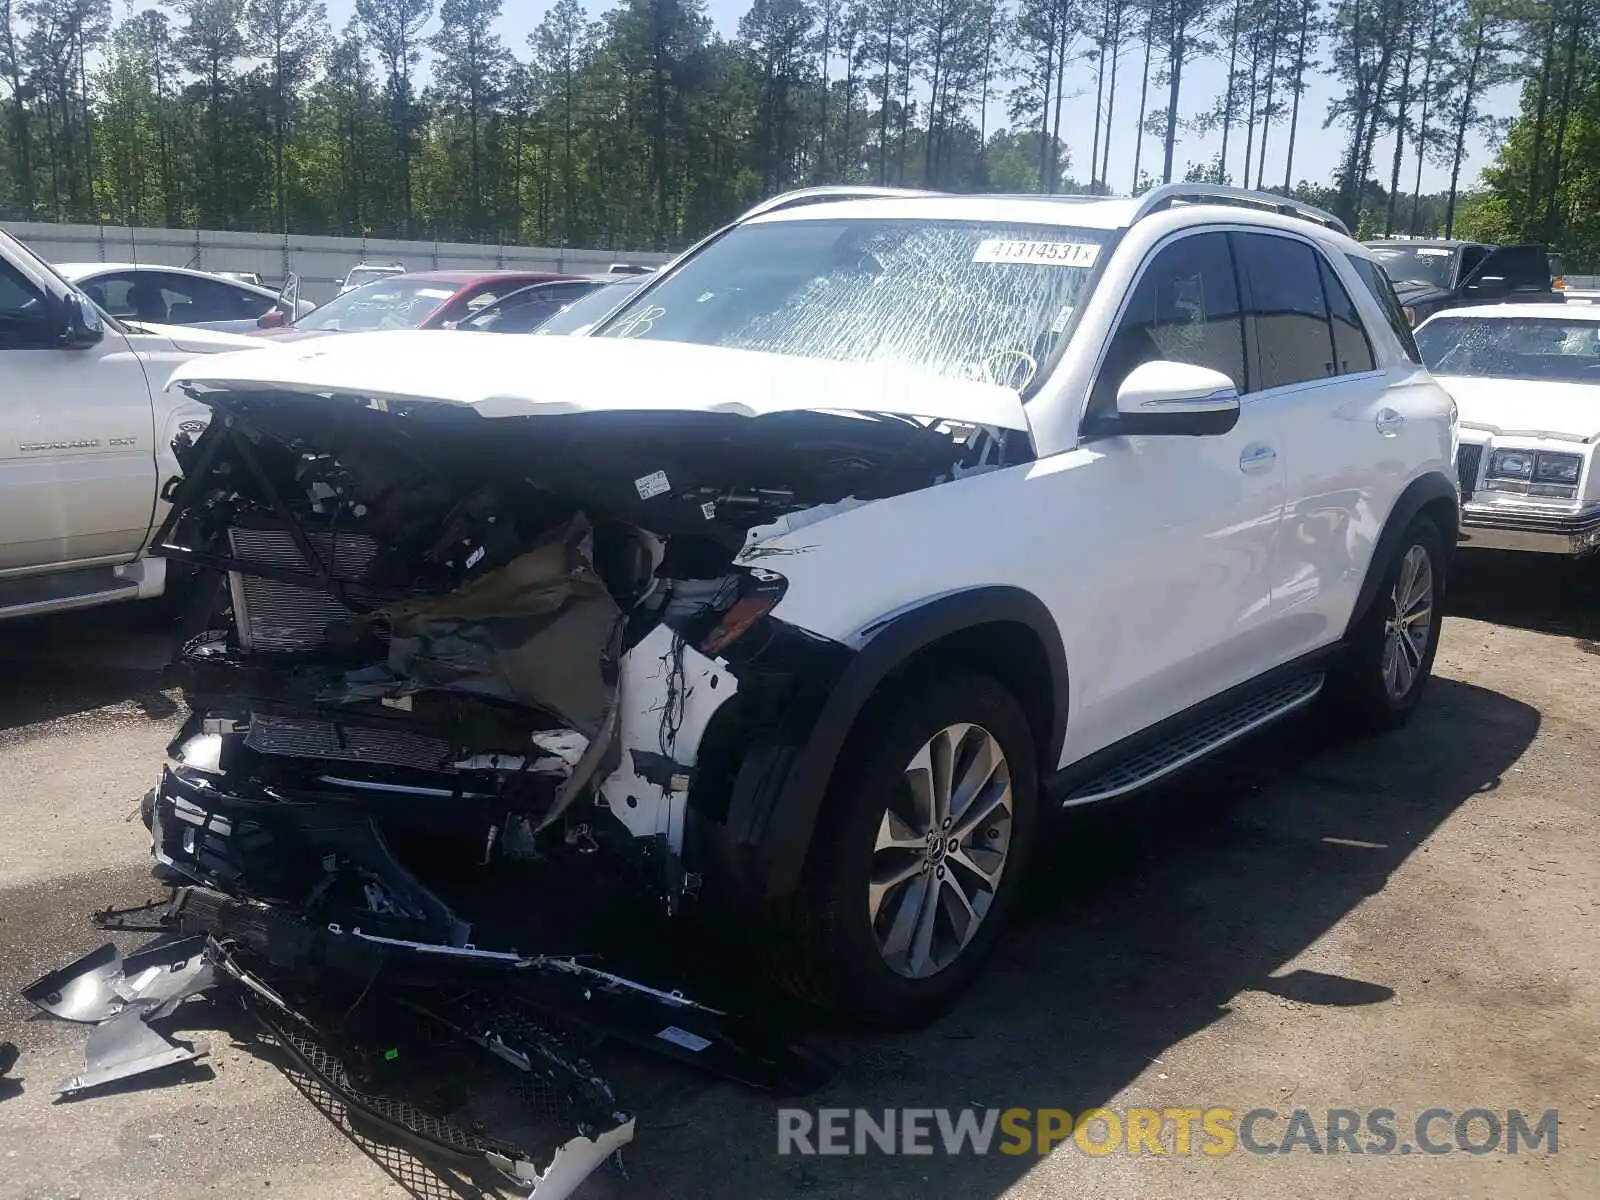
{"points": [[189, 300], [237, 304], [1185, 308], [24, 310], [1383, 292], [1352, 353], [1293, 341], [114, 293]]}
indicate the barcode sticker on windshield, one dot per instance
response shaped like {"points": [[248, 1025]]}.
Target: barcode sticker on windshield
{"points": [[1047, 254], [653, 484]]}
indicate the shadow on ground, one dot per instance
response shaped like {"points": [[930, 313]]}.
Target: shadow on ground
{"points": [[1144, 925], [73, 663], [1541, 592]]}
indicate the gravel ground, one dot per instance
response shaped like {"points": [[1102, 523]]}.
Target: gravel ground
{"points": [[1405, 923]]}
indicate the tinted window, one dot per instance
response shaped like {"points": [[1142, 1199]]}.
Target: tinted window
{"points": [[168, 299], [1383, 292], [1524, 268], [24, 309], [1293, 341], [1185, 309], [1352, 353], [526, 310], [586, 310], [190, 300]]}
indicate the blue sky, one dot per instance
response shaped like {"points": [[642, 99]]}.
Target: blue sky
{"points": [[1317, 149]]}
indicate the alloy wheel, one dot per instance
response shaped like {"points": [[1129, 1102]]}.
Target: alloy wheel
{"points": [[1409, 623], [941, 849]]}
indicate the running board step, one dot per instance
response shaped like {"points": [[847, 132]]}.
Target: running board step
{"points": [[1191, 745]]}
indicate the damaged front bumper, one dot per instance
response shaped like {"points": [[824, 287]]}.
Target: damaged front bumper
{"points": [[369, 1017]]}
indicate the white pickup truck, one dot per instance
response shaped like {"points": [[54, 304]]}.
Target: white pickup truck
{"points": [[86, 437]]}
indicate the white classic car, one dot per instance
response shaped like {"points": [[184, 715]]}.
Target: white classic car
{"points": [[1526, 379]]}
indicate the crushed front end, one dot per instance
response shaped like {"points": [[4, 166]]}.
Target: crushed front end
{"points": [[437, 662]]}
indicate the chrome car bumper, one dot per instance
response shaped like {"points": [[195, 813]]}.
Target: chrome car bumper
{"points": [[1501, 527]]}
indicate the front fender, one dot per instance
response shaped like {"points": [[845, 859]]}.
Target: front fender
{"points": [[779, 791]]}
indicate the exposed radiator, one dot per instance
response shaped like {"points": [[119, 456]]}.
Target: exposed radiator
{"points": [[299, 737], [276, 617]]}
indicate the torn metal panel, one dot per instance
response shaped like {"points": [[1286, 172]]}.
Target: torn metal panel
{"points": [[572, 1164], [81, 991], [669, 692], [163, 976], [125, 1046]]}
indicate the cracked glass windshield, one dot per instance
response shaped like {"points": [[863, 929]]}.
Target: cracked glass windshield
{"points": [[980, 301], [1512, 348]]}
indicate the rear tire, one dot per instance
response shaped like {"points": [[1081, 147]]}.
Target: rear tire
{"points": [[903, 893], [1380, 682]]}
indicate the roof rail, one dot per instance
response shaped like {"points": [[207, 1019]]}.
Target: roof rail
{"points": [[830, 191], [1169, 194]]}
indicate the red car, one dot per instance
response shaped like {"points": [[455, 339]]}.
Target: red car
{"points": [[416, 300]]}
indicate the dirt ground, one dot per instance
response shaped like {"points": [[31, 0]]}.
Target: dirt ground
{"points": [[1408, 923]]}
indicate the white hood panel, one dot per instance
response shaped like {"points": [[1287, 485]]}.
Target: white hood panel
{"points": [[509, 375], [1526, 407]]}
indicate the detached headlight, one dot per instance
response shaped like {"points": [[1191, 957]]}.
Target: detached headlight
{"points": [[1511, 464]]}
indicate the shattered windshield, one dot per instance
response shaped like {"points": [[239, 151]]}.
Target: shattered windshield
{"points": [[1512, 348], [1416, 266], [972, 300]]}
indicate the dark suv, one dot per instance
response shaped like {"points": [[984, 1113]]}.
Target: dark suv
{"points": [[1437, 274]]}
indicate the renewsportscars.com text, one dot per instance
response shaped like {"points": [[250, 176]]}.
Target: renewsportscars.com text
{"points": [[1176, 1131]]}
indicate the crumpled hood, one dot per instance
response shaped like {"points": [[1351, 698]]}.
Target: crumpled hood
{"points": [[505, 376], [1530, 408]]}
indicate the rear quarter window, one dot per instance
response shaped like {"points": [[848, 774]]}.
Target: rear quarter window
{"points": [[1382, 291]]}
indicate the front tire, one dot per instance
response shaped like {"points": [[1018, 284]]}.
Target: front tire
{"points": [[918, 855], [1381, 681]]}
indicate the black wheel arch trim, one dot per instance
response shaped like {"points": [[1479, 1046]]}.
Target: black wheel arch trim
{"points": [[1418, 494], [782, 840]]}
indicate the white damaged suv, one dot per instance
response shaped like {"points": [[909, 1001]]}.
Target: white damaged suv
{"points": [[800, 589]]}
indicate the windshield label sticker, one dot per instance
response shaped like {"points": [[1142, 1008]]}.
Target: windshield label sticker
{"points": [[653, 484], [1062, 318], [1048, 254], [692, 1042], [1432, 252], [708, 510]]}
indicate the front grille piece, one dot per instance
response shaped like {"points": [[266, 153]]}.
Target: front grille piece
{"points": [[1469, 458], [298, 737]]}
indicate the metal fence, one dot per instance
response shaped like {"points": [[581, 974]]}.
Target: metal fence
{"points": [[320, 262]]}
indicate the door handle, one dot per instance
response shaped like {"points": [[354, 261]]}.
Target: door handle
{"points": [[1389, 422], [1257, 457]]}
